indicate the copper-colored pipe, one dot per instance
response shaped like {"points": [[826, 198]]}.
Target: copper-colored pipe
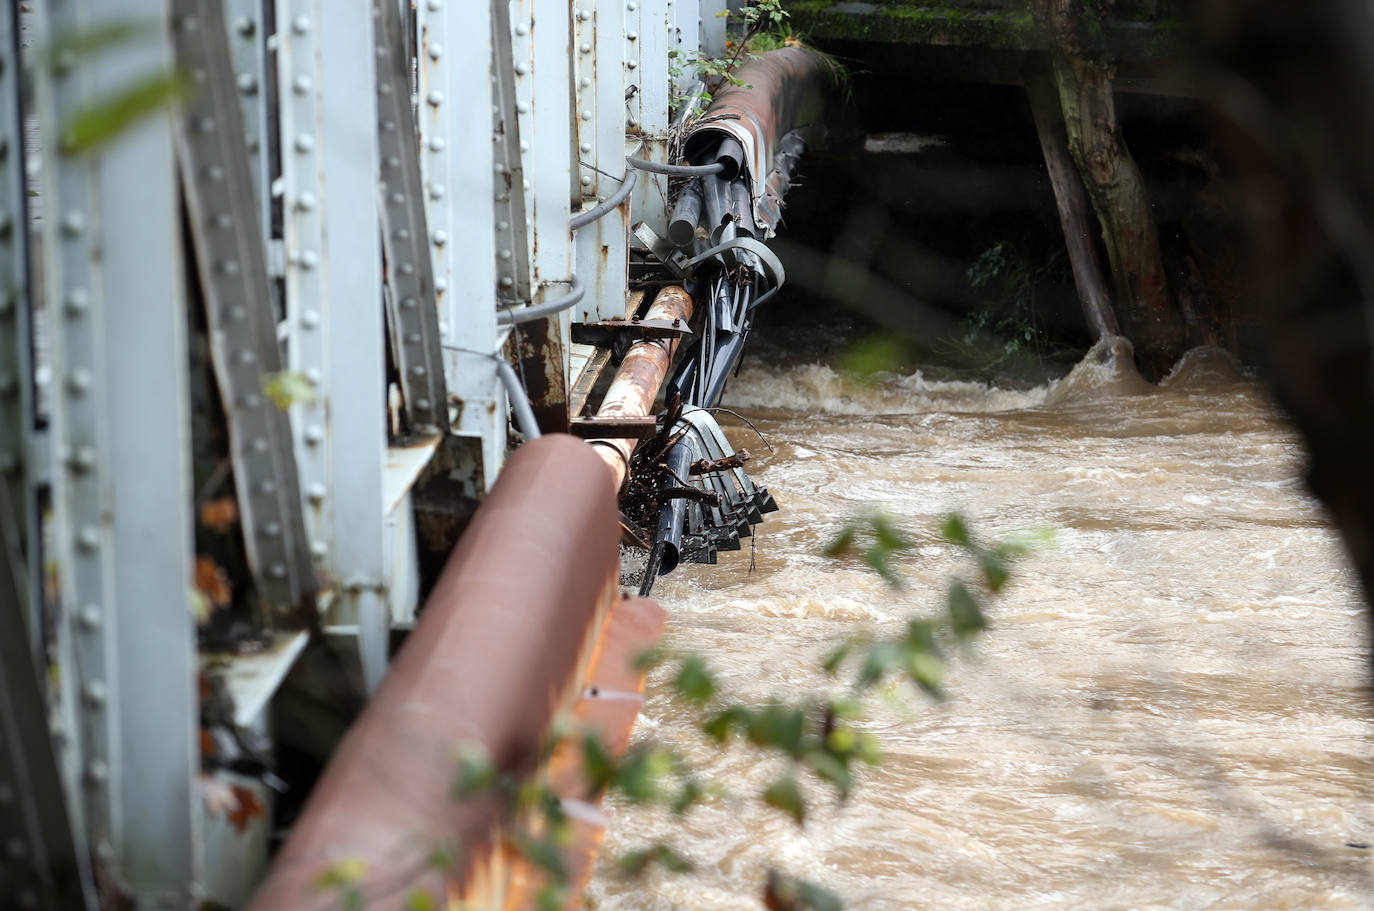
{"points": [[636, 383], [499, 648]]}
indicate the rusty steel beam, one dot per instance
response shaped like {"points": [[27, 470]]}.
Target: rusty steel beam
{"points": [[639, 377], [500, 650]]}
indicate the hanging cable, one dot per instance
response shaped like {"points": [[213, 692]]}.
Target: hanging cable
{"points": [[539, 311], [676, 170], [627, 185]]}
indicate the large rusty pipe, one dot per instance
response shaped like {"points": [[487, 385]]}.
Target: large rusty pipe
{"points": [[641, 373], [499, 648]]}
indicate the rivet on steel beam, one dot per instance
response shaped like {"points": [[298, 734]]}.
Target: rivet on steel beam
{"points": [[260, 445], [267, 487], [440, 238], [632, 35], [417, 370], [278, 571], [84, 458], [402, 234], [309, 260], [315, 492], [436, 51], [205, 125], [97, 772], [524, 146], [586, 148], [88, 538], [436, 97], [522, 108], [305, 202], [78, 301], [503, 226], [384, 89], [271, 529], [440, 285], [213, 173], [392, 161], [585, 48], [65, 62], [310, 319], [432, 6], [79, 383], [413, 338], [73, 223], [389, 126], [223, 221], [312, 376], [422, 403], [304, 143], [632, 6], [248, 85], [631, 64], [300, 25], [302, 84], [314, 434], [585, 82], [245, 26], [409, 303], [247, 356], [229, 267], [436, 191], [398, 199], [586, 115], [436, 144], [586, 180], [505, 254], [90, 617], [522, 29], [507, 281], [188, 23], [522, 68], [250, 400], [94, 693], [237, 312], [319, 549], [407, 269]]}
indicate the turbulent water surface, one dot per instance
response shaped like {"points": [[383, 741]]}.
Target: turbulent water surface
{"points": [[1169, 711]]}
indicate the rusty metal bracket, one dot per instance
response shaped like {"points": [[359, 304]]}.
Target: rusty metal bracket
{"points": [[673, 259], [617, 333]]}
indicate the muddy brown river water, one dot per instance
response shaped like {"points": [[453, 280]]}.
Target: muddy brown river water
{"points": [[1170, 708]]}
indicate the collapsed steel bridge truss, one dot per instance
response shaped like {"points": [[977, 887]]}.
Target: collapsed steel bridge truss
{"points": [[312, 248]]}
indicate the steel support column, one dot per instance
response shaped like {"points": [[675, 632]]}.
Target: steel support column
{"points": [[646, 62]]}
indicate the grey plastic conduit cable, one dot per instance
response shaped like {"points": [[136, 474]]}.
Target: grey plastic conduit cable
{"points": [[676, 170], [627, 185], [519, 400], [539, 311]]}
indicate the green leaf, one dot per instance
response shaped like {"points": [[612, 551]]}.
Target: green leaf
{"points": [[552, 897], [920, 636], [779, 727], [888, 535], [71, 47], [881, 658], [421, 900], [786, 796], [955, 531], [687, 797], [640, 776], [831, 768], [542, 853], [694, 681], [836, 657], [444, 855], [964, 612], [879, 560], [103, 121], [926, 670], [288, 388], [810, 895], [868, 749], [720, 725], [995, 572], [841, 543], [475, 771], [597, 764]]}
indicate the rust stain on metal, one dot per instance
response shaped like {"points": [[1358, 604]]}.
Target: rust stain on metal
{"points": [[500, 647]]}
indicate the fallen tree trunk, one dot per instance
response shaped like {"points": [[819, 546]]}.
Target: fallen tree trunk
{"points": [[1084, 75], [1071, 199]]}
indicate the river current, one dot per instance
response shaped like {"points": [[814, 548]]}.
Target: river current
{"points": [[1169, 711]]}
